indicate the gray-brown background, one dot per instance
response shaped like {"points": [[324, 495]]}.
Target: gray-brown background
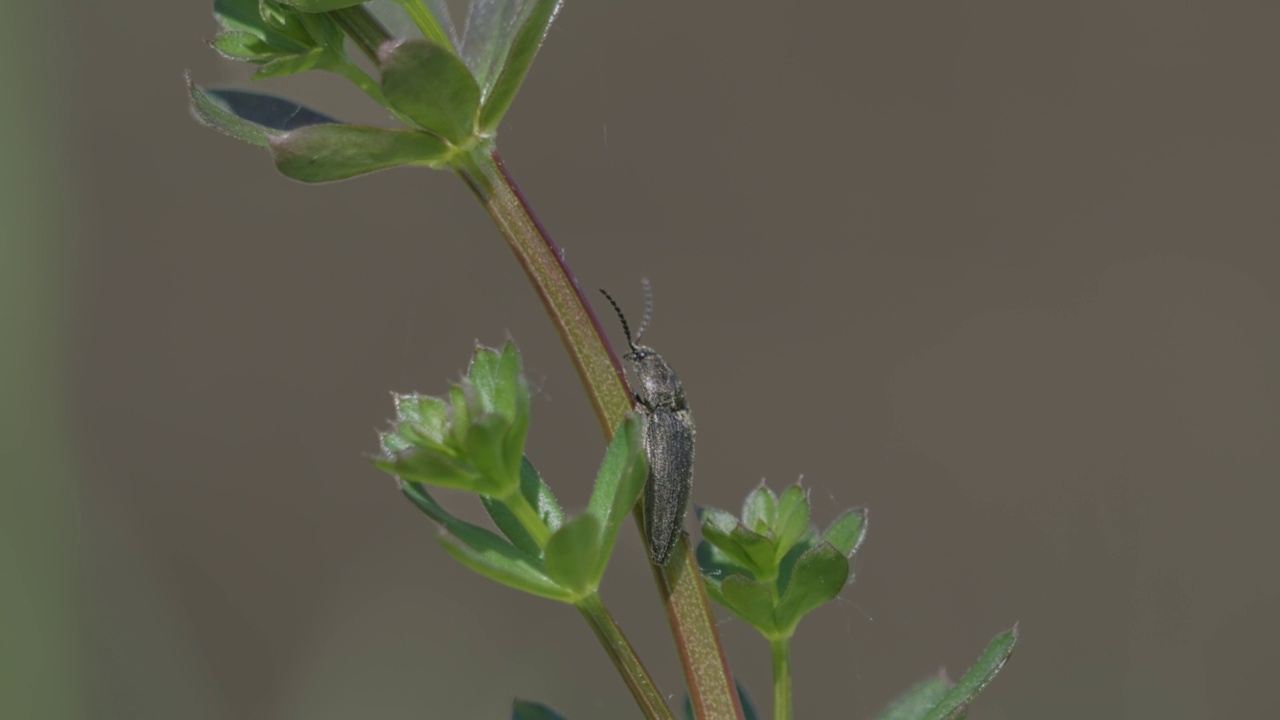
{"points": [[1004, 272]]}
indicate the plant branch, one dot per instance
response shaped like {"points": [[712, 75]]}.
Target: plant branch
{"points": [[780, 654], [679, 583], [624, 658]]}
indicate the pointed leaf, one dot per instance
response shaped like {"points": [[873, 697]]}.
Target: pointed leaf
{"points": [[286, 37], [956, 702], [486, 451], [524, 46], [244, 46], [491, 26], [750, 601], [460, 421], [716, 565], [317, 59], [743, 547], [818, 577], [319, 6], [324, 153], [793, 518], [484, 551], [524, 710], [500, 568], [540, 496], [573, 554], [760, 511], [430, 467], [429, 415], [618, 484], [721, 520], [916, 703], [759, 549], [430, 85], [848, 531]]}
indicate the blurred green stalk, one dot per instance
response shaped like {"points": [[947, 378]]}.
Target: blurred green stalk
{"points": [[38, 660]]}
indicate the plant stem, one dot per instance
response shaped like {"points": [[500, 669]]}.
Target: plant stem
{"points": [[680, 583], [624, 658], [528, 517], [780, 654], [693, 625]]}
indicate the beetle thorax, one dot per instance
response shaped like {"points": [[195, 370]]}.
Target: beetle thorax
{"points": [[660, 386]]}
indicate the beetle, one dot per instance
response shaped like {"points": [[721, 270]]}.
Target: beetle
{"points": [[668, 437]]}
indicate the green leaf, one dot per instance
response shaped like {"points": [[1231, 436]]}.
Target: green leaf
{"points": [[540, 496], [513, 574], [507, 388], [523, 47], [248, 117], [318, 59], [430, 85], [760, 511], [818, 577], [486, 451], [618, 485], [524, 710], [243, 46], [460, 422], [793, 518], [743, 547], [285, 36], [418, 465], [757, 549], [422, 420], [721, 520], [916, 703], [484, 551], [324, 153], [848, 531], [956, 702], [573, 554], [482, 377], [319, 6], [750, 601], [716, 565], [491, 27]]}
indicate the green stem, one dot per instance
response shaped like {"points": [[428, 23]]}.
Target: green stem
{"points": [[528, 517], [624, 658], [680, 583], [426, 22], [363, 29], [780, 653]]}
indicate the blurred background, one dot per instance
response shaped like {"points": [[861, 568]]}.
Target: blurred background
{"points": [[1004, 272]]}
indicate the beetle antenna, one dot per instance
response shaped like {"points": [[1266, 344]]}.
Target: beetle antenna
{"points": [[648, 307], [626, 329]]}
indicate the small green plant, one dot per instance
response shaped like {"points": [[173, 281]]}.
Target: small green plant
{"points": [[450, 91]]}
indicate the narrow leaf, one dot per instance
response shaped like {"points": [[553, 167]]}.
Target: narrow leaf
{"points": [[848, 531], [715, 564], [525, 710], [430, 467], [540, 496], [760, 511], [513, 574], [618, 485], [430, 85], [916, 703], [318, 59], [793, 518], [519, 57], [572, 554], [486, 450], [287, 38], [956, 702], [324, 153], [318, 6], [484, 551]]}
